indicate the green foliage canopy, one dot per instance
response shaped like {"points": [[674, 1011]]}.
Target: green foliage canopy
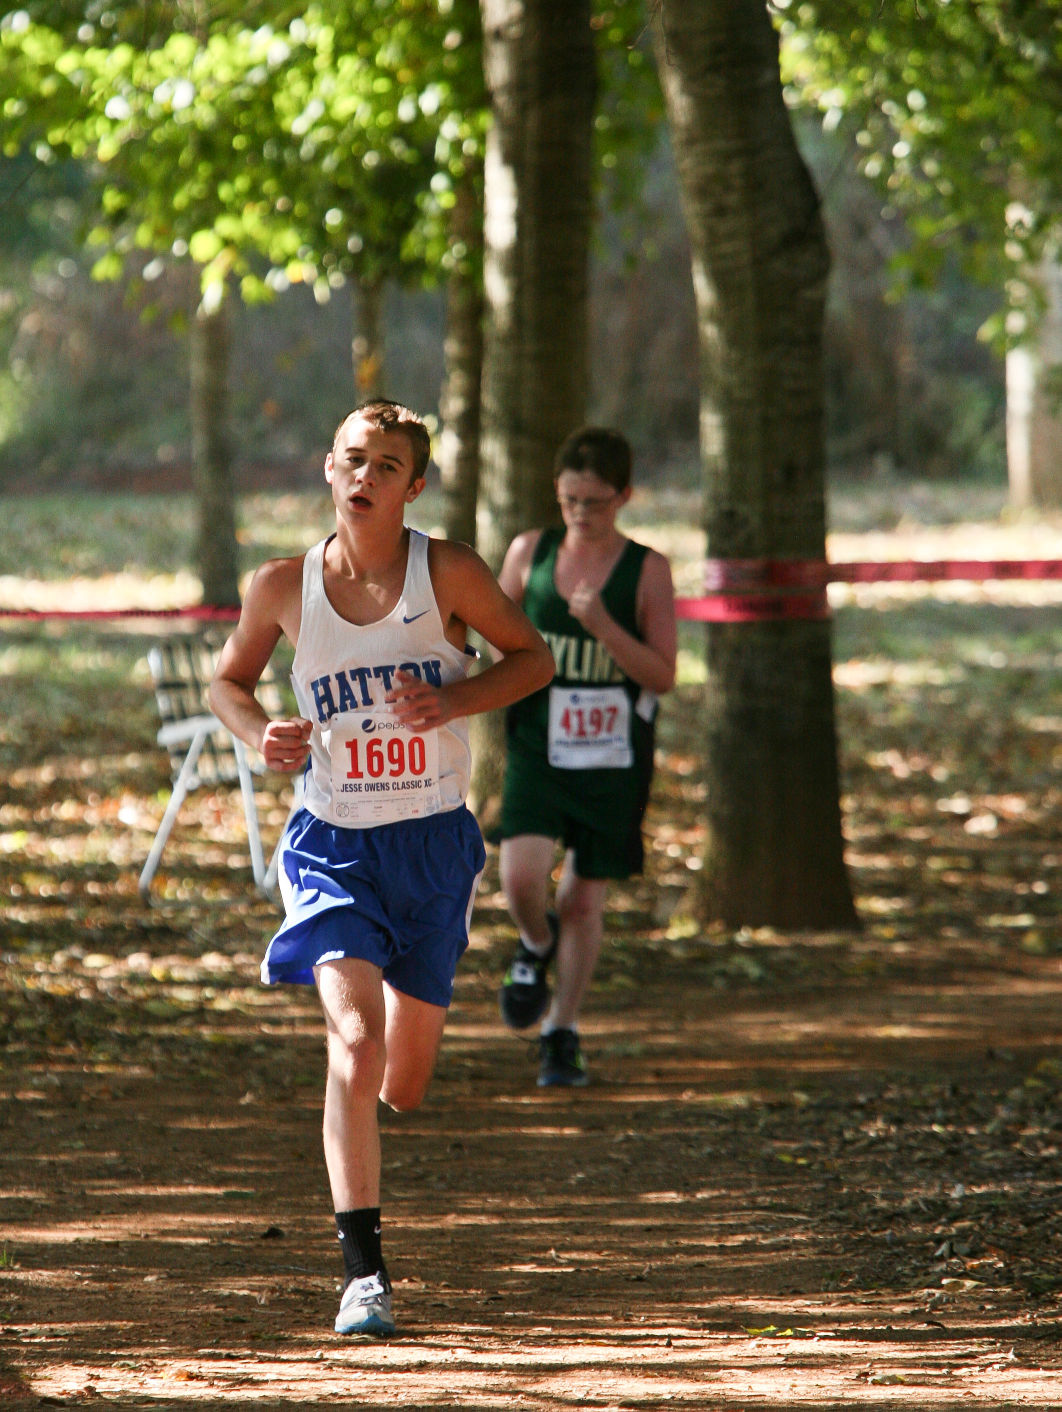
{"points": [[280, 143], [956, 107], [309, 153]]}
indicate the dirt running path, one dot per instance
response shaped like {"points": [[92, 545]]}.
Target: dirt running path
{"points": [[810, 1173]]}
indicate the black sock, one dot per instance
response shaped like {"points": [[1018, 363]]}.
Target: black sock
{"points": [[359, 1239]]}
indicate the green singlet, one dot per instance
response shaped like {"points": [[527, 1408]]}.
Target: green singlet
{"points": [[597, 712]]}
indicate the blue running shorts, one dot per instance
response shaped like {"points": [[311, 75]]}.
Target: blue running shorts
{"points": [[399, 896]]}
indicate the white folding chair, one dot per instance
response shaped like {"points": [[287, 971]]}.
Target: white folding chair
{"points": [[202, 750]]}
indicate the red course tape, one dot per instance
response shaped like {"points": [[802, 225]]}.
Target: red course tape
{"points": [[752, 607], [738, 589], [932, 571], [743, 575], [210, 615]]}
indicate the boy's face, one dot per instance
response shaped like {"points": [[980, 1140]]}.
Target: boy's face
{"points": [[371, 471], [588, 504]]}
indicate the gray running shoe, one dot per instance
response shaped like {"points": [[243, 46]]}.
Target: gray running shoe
{"points": [[524, 993], [562, 1063], [366, 1308]]}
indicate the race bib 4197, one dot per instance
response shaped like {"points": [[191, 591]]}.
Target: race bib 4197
{"points": [[589, 729]]}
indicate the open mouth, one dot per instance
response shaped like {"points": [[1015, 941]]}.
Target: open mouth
{"points": [[360, 502]]}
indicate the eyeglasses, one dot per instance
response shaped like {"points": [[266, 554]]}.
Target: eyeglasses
{"points": [[591, 506]]}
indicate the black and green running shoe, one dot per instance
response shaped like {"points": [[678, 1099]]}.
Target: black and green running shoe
{"points": [[524, 993], [562, 1064]]}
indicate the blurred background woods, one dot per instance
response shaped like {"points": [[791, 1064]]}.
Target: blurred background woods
{"points": [[94, 378], [300, 208]]}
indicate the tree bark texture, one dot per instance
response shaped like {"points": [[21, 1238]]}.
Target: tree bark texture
{"points": [[1034, 402], [367, 344], [216, 554], [540, 70], [774, 853], [538, 206], [458, 448]]}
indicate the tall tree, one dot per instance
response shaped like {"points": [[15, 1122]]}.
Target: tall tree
{"points": [[954, 108], [212, 453], [457, 449], [1034, 397], [539, 63], [773, 853], [550, 174], [538, 205], [300, 151]]}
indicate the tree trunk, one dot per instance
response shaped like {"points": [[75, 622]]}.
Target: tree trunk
{"points": [[773, 854], [538, 205], [458, 449], [212, 456], [540, 70], [367, 345], [1034, 403]]}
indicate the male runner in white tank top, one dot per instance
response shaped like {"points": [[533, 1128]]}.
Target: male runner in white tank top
{"points": [[379, 868]]}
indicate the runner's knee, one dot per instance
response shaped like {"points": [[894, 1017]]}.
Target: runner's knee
{"points": [[404, 1092], [356, 1059], [578, 908]]}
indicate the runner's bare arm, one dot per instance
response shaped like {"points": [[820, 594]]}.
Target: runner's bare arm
{"points": [[649, 660], [517, 565], [516, 568], [269, 609]]}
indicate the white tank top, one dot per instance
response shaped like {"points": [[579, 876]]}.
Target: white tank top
{"points": [[364, 769]]}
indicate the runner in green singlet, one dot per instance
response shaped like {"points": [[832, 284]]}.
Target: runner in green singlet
{"points": [[580, 752]]}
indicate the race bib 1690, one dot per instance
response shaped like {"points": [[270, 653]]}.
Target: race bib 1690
{"points": [[381, 770]]}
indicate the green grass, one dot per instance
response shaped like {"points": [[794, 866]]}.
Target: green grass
{"points": [[51, 537], [948, 724], [126, 550], [885, 502], [59, 536]]}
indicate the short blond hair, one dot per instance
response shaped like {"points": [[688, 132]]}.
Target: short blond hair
{"points": [[385, 415]]}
